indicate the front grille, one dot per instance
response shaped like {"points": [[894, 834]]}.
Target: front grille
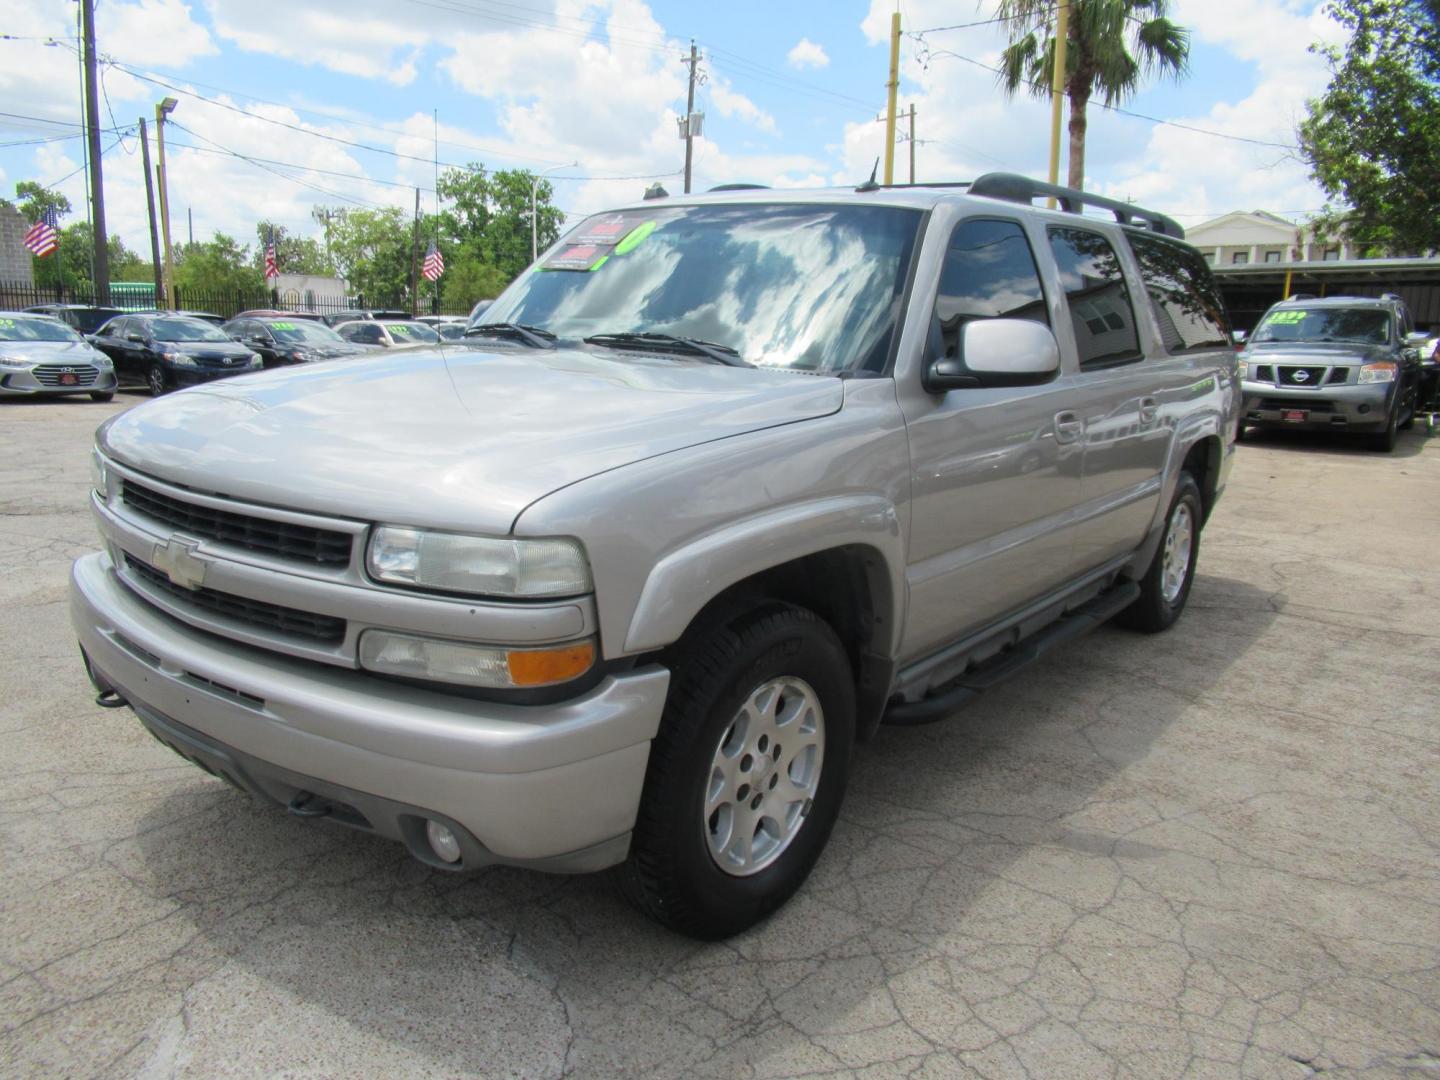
{"points": [[1296, 403], [1265, 373], [1301, 376], [326, 547], [1337, 375], [64, 374], [325, 629]]}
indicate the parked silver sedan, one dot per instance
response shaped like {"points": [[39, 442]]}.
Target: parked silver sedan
{"points": [[41, 355]]}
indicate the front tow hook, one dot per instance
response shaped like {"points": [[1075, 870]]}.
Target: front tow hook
{"points": [[110, 699]]}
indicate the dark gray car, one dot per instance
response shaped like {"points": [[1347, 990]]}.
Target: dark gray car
{"points": [[1344, 363]]}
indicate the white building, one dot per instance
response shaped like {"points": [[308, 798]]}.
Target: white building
{"points": [[1242, 238], [308, 292]]}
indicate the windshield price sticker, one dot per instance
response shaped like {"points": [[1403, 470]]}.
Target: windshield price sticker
{"points": [[606, 229], [594, 241], [1286, 317], [283, 325], [577, 257], [8, 324]]}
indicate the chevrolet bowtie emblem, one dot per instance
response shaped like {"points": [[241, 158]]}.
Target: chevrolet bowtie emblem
{"points": [[180, 562]]}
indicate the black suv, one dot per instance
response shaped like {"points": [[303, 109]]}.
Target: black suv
{"points": [[1344, 363]]}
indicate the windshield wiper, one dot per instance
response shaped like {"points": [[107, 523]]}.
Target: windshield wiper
{"points": [[721, 354], [535, 336]]}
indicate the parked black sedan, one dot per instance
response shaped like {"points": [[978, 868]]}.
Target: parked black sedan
{"points": [[283, 340], [162, 352], [82, 317]]}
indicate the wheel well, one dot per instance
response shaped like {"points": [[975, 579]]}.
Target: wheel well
{"points": [[849, 588], [1202, 462]]}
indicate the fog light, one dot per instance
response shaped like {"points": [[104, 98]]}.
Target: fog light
{"points": [[442, 841]]}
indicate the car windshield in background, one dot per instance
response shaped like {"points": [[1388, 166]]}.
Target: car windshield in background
{"points": [[185, 330], [806, 287], [308, 333], [15, 328], [411, 331], [1368, 326]]}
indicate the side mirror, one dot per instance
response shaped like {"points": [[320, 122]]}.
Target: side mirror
{"points": [[1239, 336], [1417, 339], [997, 352]]}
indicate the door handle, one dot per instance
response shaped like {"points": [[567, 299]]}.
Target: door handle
{"points": [[1068, 427], [1149, 410]]}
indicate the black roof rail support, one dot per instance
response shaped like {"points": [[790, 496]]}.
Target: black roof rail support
{"points": [[740, 187], [1013, 187]]}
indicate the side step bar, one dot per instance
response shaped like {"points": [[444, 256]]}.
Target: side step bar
{"points": [[976, 681]]}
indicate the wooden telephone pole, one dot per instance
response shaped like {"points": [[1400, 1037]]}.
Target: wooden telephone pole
{"points": [[92, 139]]}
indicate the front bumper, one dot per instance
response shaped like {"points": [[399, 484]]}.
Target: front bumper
{"points": [[187, 376], [553, 787], [1338, 407], [26, 382]]}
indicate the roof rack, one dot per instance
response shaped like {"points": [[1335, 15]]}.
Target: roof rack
{"points": [[1013, 187], [740, 187]]}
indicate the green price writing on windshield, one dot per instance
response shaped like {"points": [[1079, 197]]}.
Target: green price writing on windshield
{"points": [[283, 325], [9, 324], [1285, 317]]}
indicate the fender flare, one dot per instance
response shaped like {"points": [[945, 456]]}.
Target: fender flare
{"points": [[687, 578]]}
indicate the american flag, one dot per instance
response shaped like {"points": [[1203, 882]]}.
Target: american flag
{"points": [[434, 263], [43, 237], [272, 266]]}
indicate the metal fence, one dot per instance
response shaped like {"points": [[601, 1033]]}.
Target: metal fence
{"points": [[140, 296]]}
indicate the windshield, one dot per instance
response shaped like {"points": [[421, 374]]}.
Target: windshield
{"points": [[1368, 326], [805, 287], [411, 331], [305, 332], [22, 328], [185, 330]]}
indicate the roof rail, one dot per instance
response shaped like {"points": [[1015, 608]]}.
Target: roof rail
{"points": [[740, 187], [1013, 187]]}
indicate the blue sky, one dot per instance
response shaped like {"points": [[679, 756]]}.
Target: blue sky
{"points": [[791, 94]]}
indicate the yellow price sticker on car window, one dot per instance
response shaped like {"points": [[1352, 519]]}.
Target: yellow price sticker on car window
{"points": [[283, 325], [9, 324], [1282, 318]]}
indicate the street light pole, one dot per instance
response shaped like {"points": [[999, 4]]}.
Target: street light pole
{"points": [[534, 187], [162, 110]]}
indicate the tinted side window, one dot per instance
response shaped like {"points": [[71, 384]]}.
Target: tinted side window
{"points": [[1183, 294], [989, 273], [1099, 301]]}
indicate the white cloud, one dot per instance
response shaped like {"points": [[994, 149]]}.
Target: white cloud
{"points": [[129, 32], [807, 54]]}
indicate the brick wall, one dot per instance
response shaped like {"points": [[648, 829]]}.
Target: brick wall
{"points": [[14, 259]]}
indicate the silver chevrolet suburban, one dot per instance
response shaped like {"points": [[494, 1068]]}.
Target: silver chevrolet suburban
{"points": [[712, 491]]}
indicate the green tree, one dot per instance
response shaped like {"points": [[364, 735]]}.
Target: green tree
{"points": [[32, 199], [294, 254], [488, 215], [469, 278], [1112, 45], [1372, 140], [371, 250], [220, 264]]}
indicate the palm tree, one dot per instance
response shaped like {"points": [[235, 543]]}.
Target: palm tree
{"points": [[1111, 46]]}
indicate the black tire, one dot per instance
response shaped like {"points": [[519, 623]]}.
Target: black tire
{"points": [[671, 874], [102, 395], [1153, 611], [155, 380], [1385, 441], [1409, 421]]}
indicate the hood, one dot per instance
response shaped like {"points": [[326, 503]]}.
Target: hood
{"points": [[460, 437], [1315, 353], [53, 352], [206, 349]]}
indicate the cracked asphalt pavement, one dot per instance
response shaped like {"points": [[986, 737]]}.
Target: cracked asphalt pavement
{"points": [[1207, 853]]}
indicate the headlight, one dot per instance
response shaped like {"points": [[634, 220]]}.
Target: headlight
{"points": [[98, 479], [478, 565], [1242, 369], [14, 361], [100, 360], [256, 360], [180, 359], [1385, 371], [465, 664]]}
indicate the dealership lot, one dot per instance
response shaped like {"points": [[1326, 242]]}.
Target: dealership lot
{"points": [[1208, 853]]}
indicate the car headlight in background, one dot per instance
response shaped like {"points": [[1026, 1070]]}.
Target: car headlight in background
{"points": [[1384, 371], [256, 361], [478, 565], [14, 361], [99, 359], [99, 480], [180, 359], [465, 664], [1242, 369]]}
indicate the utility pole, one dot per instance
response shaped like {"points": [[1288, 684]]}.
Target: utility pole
{"points": [[92, 140], [694, 61], [150, 209], [190, 221], [893, 86], [1057, 88], [415, 259], [162, 110], [912, 142]]}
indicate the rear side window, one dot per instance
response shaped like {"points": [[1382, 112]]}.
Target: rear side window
{"points": [[1099, 301], [1183, 294], [989, 273]]}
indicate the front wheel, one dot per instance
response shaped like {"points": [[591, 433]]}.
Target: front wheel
{"points": [[1386, 440], [102, 395], [155, 380], [1166, 584], [746, 773]]}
